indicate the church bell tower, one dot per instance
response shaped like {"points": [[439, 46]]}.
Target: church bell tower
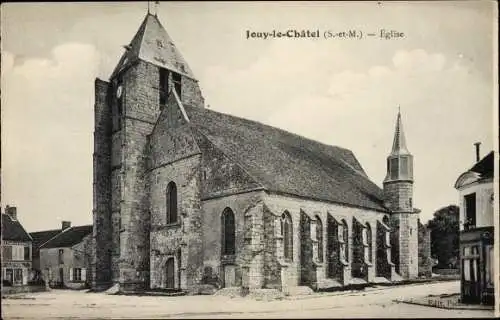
{"points": [[126, 110], [398, 198]]}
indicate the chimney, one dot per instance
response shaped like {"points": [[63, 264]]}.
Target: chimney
{"points": [[66, 225], [477, 144], [11, 212]]}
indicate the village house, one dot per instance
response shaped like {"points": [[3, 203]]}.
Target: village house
{"points": [[183, 194], [476, 200], [39, 238], [65, 259], [16, 250]]}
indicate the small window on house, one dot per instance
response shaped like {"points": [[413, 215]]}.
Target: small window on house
{"points": [[27, 255], [61, 256], [7, 252], [171, 203], [163, 86], [176, 79], [410, 203], [470, 211], [77, 274]]}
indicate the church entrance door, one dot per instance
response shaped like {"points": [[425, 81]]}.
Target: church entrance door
{"points": [[229, 276], [170, 273]]}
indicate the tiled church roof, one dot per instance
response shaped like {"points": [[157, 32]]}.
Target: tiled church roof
{"points": [[288, 163]]}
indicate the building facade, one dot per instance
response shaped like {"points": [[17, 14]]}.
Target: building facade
{"points": [[39, 238], [16, 250], [476, 193], [183, 194], [66, 259]]}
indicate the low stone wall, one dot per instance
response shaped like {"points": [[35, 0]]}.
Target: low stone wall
{"points": [[446, 271], [22, 289]]}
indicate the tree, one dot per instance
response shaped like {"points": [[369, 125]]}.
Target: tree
{"points": [[445, 236]]}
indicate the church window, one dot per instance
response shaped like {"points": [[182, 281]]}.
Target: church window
{"points": [[176, 79], [394, 168], [287, 233], [228, 232], [344, 240], [404, 166], [319, 237], [369, 253], [163, 87], [171, 203]]}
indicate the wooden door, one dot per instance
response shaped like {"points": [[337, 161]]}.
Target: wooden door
{"points": [[170, 273]]}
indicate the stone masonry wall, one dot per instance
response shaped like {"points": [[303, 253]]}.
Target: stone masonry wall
{"points": [[408, 245], [102, 186], [244, 206], [185, 235], [277, 204], [398, 195], [141, 108]]}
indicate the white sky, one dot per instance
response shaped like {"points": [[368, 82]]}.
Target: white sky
{"points": [[340, 92]]}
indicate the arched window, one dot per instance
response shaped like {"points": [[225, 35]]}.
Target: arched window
{"points": [[228, 232], [319, 237], [369, 247], [287, 233], [345, 236], [171, 203]]}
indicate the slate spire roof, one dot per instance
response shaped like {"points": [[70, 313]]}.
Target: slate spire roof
{"points": [[152, 44], [399, 143]]}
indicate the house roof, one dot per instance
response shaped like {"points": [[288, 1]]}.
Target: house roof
{"points": [[69, 237], [40, 237], [152, 44], [284, 162], [13, 230], [484, 166]]}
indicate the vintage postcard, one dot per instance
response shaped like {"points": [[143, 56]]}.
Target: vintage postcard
{"points": [[249, 160]]}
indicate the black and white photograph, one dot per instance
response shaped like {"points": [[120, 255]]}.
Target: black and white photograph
{"points": [[329, 159]]}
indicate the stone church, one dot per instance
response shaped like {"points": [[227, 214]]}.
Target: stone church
{"points": [[185, 196]]}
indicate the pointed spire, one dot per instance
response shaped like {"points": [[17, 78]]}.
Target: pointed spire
{"points": [[399, 143], [152, 44]]}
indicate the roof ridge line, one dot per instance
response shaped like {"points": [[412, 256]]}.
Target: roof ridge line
{"points": [[57, 235]]}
